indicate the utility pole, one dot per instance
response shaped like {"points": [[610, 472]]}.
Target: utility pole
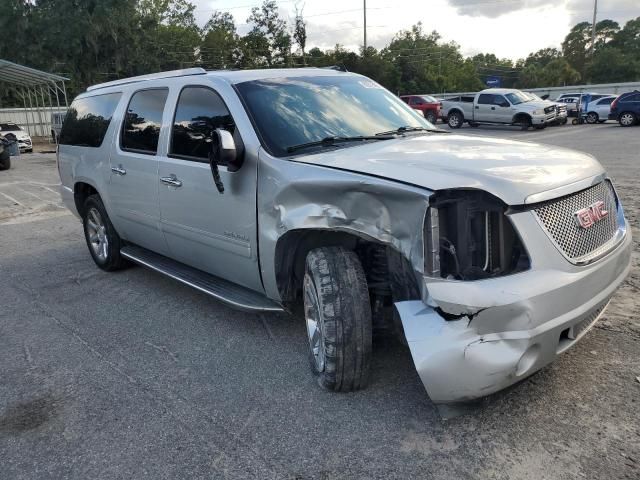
{"points": [[593, 26], [365, 26]]}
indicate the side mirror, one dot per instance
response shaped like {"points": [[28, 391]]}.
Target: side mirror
{"points": [[224, 150]]}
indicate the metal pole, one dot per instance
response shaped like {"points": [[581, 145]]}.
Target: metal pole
{"points": [[32, 110], [64, 89], [45, 122], [593, 26], [365, 25], [26, 111]]}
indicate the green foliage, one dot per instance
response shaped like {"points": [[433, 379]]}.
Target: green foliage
{"points": [[92, 41]]}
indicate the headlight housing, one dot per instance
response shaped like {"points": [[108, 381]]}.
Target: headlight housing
{"points": [[468, 236]]}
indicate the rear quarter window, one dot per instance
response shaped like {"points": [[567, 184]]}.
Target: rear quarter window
{"points": [[88, 119]]}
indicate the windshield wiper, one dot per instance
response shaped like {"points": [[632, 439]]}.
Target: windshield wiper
{"points": [[334, 140], [401, 130]]}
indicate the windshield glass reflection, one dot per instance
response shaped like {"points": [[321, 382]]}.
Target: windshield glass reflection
{"points": [[298, 110]]}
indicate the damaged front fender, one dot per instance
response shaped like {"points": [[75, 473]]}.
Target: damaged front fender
{"points": [[294, 196]]}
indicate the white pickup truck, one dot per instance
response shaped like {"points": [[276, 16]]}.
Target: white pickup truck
{"points": [[498, 106]]}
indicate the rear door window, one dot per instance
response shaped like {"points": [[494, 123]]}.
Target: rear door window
{"points": [[88, 119], [485, 99], [142, 121]]}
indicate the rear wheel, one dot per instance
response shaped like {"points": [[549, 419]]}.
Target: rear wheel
{"points": [[431, 117], [338, 318], [592, 117], [627, 119], [455, 120], [102, 239]]}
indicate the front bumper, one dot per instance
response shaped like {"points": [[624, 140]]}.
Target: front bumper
{"points": [[508, 327]]}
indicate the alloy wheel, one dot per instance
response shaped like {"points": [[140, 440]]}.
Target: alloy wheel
{"points": [[97, 234], [314, 324]]}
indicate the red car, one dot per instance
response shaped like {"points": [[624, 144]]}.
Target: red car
{"points": [[429, 106]]}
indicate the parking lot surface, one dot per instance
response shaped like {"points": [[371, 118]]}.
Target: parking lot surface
{"points": [[131, 375]]}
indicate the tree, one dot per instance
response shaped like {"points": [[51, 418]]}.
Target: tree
{"points": [[300, 32], [221, 45], [269, 40]]}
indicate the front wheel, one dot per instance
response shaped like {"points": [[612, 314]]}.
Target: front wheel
{"points": [[431, 117], [338, 318], [102, 239], [455, 120], [525, 123], [592, 117]]}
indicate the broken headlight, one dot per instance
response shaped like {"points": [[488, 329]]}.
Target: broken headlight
{"points": [[467, 236]]}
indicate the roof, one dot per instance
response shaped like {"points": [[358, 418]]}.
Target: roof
{"points": [[20, 75], [231, 76]]}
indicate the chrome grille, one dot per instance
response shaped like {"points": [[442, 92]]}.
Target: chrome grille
{"points": [[559, 219]]}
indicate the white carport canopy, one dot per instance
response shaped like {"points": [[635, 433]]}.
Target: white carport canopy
{"points": [[40, 92]]}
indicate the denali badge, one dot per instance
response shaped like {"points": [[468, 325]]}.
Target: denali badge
{"points": [[590, 215]]}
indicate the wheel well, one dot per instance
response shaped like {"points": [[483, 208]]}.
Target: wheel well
{"points": [[292, 249], [82, 191]]}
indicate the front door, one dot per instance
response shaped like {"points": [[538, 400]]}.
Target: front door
{"points": [[503, 111], [212, 231], [133, 185]]}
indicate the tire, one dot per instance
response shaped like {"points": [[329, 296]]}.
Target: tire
{"points": [[337, 314], [5, 161], [626, 119], [455, 120], [103, 241], [592, 118], [431, 117], [564, 121], [525, 122], [574, 121]]}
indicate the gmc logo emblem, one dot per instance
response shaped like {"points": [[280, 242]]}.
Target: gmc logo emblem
{"points": [[595, 212]]}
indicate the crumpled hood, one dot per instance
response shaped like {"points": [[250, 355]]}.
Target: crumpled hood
{"points": [[508, 169]]}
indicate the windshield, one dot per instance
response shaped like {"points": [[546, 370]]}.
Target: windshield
{"points": [[516, 98], [298, 110], [9, 127]]}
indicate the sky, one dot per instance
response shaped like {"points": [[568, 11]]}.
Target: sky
{"points": [[507, 28]]}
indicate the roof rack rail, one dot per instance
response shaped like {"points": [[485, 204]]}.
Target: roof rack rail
{"points": [[151, 76]]}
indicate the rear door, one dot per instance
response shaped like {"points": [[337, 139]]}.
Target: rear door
{"points": [[603, 107], [212, 231], [133, 185]]}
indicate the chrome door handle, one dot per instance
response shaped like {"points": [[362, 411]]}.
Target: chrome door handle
{"points": [[171, 180], [119, 170]]}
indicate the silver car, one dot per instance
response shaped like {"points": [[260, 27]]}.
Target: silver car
{"points": [[319, 192]]}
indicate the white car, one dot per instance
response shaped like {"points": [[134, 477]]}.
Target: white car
{"points": [[598, 110], [24, 139]]}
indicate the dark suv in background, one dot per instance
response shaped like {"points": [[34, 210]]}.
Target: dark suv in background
{"points": [[626, 109]]}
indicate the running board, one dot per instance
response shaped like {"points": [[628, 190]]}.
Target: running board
{"points": [[227, 292]]}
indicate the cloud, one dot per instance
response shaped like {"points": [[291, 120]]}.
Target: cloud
{"points": [[495, 8]]}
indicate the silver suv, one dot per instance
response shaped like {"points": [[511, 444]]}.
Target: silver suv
{"points": [[277, 189]]}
